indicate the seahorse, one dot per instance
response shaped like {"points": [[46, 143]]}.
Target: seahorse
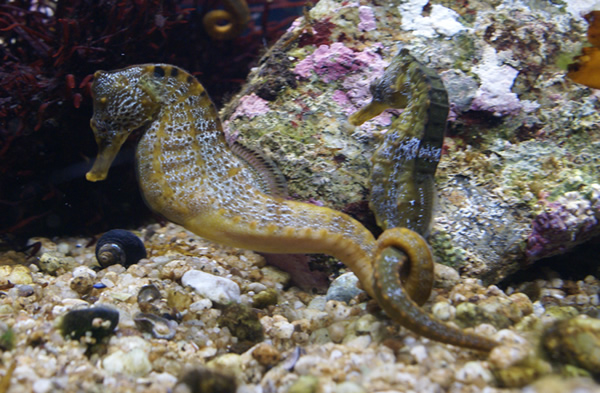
{"points": [[228, 23], [402, 187], [189, 174]]}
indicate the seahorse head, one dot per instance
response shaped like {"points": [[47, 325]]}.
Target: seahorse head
{"points": [[124, 100]]}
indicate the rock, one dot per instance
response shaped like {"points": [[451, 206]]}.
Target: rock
{"points": [[514, 185], [16, 275], [83, 279], [132, 359], [344, 288], [204, 380], [575, 341], [305, 384], [218, 289], [265, 298], [266, 354], [52, 261], [99, 321], [242, 321], [349, 387]]}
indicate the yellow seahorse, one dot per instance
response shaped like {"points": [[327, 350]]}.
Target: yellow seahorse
{"points": [[188, 173]]}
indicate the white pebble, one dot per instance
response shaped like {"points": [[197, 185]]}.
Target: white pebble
{"points": [[283, 330], [200, 305], [134, 362], [474, 373], [83, 271], [338, 310], [419, 352], [504, 356], [43, 385], [443, 311], [63, 248], [218, 289]]}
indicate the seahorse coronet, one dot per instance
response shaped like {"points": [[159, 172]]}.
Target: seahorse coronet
{"points": [[189, 174]]}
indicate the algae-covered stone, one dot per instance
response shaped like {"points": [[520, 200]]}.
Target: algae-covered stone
{"points": [[575, 341], [265, 298], [305, 384], [470, 315], [204, 380], [242, 321], [51, 262], [98, 322]]}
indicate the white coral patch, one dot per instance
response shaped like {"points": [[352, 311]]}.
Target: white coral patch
{"points": [[441, 20]]}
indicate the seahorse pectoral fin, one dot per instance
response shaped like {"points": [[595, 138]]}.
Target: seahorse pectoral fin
{"points": [[368, 112], [107, 151]]}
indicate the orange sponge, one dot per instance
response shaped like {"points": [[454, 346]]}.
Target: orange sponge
{"points": [[586, 69]]}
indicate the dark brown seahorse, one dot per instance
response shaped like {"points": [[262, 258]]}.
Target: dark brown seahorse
{"points": [[402, 188]]}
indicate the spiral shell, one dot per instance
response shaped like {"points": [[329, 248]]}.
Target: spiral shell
{"points": [[119, 246]]}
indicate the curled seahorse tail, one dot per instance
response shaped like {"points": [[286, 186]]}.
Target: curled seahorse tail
{"points": [[417, 275], [400, 298]]}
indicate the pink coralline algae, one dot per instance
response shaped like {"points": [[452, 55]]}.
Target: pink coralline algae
{"points": [[330, 62], [367, 18], [251, 106], [568, 221]]}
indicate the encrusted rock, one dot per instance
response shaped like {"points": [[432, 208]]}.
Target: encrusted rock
{"points": [[98, 321], [575, 341]]}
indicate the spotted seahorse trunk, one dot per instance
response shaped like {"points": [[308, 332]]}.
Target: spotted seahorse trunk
{"points": [[402, 187]]}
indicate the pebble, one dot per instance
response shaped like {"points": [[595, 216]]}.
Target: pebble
{"points": [[575, 341], [50, 262], [200, 305], [25, 290], [282, 329], [474, 373], [274, 276], [131, 360], [305, 384], [266, 354], [100, 321], [18, 275], [344, 288], [338, 310], [445, 276], [420, 353], [443, 311], [348, 387], [174, 270], [504, 356], [43, 385], [337, 331], [218, 289]]}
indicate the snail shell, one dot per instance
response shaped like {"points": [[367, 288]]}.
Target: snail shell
{"points": [[119, 246], [159, 327]]}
